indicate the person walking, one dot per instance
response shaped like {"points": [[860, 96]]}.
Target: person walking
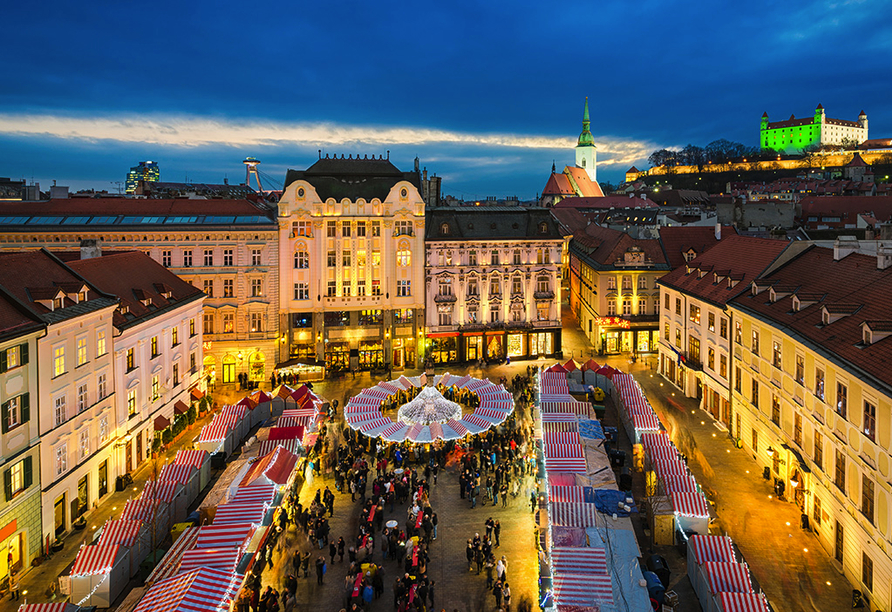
{"points": [[320, 569], [502, 569], [497, 593], [434, 521], [14, 585], [506, 597], [430, 593], [496, 530], [332, 551], [341, 545], [469, 553]]}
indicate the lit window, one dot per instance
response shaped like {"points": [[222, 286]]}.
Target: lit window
{"points": [[100, 344], [82, 400], [81, 351], [156, 388], [61, 459], [60, 410], [59, 361], [131, 403]]}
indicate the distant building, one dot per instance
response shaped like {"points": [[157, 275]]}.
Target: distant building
{"points": [[157, 189], [580, 180], [794, 134], [146, 171]]}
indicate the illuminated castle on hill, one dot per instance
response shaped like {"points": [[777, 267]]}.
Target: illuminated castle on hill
{"points": [[794, 134]]}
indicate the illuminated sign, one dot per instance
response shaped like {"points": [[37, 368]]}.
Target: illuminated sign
{"points": [[612, 322]]}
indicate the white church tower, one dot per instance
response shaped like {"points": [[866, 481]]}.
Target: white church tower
{"points": [[586, 152]]}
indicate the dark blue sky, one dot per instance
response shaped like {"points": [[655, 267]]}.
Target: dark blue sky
{"points": [[486, 94]]}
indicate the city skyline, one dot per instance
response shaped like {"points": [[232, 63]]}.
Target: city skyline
{"points": [[486, 97]]}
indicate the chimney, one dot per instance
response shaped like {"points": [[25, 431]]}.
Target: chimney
{"points": [[718, 231], [90, 249], [884, 255], [843, 246]]}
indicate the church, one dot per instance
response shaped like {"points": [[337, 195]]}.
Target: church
{"points": [[579, 180]]}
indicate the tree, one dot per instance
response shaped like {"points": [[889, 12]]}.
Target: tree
{"points": [[692, 155], [662, 157]]}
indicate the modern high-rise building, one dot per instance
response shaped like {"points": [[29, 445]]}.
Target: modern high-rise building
{"points": [[146, 171]]}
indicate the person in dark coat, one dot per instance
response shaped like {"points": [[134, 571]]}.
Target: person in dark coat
{"points": [[320, 569]]}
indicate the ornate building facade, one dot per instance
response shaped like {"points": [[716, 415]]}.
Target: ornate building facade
{"points": [[493, 283]]}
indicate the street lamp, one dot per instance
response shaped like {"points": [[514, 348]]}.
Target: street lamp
{"points": [[770, 452]]}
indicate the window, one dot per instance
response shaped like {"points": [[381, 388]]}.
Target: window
{"points": [[208, 258], [301, 291], [100, 344], [403, 288], [403, 315], [402, 228], [472, 286], [797, 429], [255, 257], [81, 351], [360, 287], [84, 443], [723, 366], [15, 412], [154, 346], [656, 306], [332, 288], [494, 257], [228, 323], [376, 259], [495, 287], [103, 428], [301, 260], [207, 322], [176, 374], [842, 400], [816, 511], [694, 349], [547, 256], [737, 379], [174, 336], [678, 306], [755, 440], [870, 421], [346, 257], [755, 345], [165, 258], [611, 283], [611, 306], [58, 361], [642, 306], [776, 354], [192, 328], [775, 410], [666, 302], [332, 259], [642, 282], [256, 321], [209, 288], [800, 369], [13, 358], [156, 387], [494, 315], [403, 257], [516, 286], [376, 287], [228, 287], [445, 317], [82, 398], [866, 571], [723, 328], [131, 403], [256, 287], [710, 321], [444, 286], [102, 386], [376, 229], [345, 229], [755, 393], [627, 307], [738, 333], [331, 229], [867, 497], [61, 459], [187, 258], [627, 283], [472, 314], [819, 383], [710, 358], [666, 332], [678, 338], [516, 258], [819, 451], [472, 258], [360, 229], [840, 478], [227, 257], [60, 410]]}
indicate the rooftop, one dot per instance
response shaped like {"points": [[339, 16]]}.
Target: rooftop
{"points": [[352, 177], [490, 223]]}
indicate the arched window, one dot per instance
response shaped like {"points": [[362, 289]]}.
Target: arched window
{"points": [[404, 257], [444, 229]]}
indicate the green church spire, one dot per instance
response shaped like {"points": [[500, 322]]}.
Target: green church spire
{"points": [[585, 138]]}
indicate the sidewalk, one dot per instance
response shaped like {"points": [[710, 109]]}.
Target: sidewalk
{"points": [[36, 582]]}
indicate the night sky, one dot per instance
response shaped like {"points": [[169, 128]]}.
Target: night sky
{"points": [[485, 94]]}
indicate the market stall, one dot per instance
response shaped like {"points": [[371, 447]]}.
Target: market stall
{"points": [[200, 589], [187, 475], [200, 460], [133, 536], [99, 575]]}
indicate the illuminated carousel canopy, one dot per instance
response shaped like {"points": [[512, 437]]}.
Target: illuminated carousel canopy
{"points": [[429, 406]]}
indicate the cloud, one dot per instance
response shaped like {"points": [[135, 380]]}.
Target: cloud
{"points": [[193, 131]]}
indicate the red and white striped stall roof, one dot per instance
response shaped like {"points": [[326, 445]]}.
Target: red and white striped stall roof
{"points": [[549, 427], [583, 589], [219, 558], [463, 382], [497, 416], [645, 421], [494, 394], [728, 577], [238, 513], [654, 439], [375, 425], [95, 559], [176, 472], [457, 427], [712, 548], [742, 602], [575, 465], [473, 419], [573, 514], [672, 483], [165, 490], [268, 472], [559, 417], [217, 429], [569, 560], [389, 387], [235, 412], [676, 467], [224, 536], [690, 504], [394, 428], [293, 446], [562, 437], [376, 392], [562, 451], [479, 383], [298, 412], [290, 421], [663, 453], [364, 400], [170, 563], [56, 606], [555, 397], [574, 407], [256, 492], [193, 457], [120, 532], [566, 494], [357, 419], [142, 509], [506, 405], [196, 591]]}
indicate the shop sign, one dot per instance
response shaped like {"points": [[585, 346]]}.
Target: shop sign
{"points": [[612, 322]]}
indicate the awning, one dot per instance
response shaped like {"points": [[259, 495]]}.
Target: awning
{"points": [[196, 394], [225, 559], [711, 548], [742, 602], [802, 464], [120, 532], [173, 472], [583, 590], [224, 536], [180, 407], [573, 514], [240, 513], [95, 560], [690, 504], [201, 589], [161, 423], [193, 457], [728, 577], [579, 560]]}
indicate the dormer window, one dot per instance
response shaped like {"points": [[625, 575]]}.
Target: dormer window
{"points": [[81, 297], [543, 228], [866, 336], [57, 303], [124, 309], [444, 229], [825, 317]]}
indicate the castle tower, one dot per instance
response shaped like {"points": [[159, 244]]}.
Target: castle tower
{"points": [[819, 115], [862, 119], [586, 152]]}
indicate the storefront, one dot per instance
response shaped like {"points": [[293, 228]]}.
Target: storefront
{"points": [[303, 351], [371, 355], [403, 353], [541, 344], [444, 348], [619, 335], [516, 345], [473, 347], [337, 355], [257, 366], [494, 345]]}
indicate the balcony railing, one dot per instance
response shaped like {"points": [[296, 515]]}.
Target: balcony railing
{"points": [[546, 323], [543, 295], [447, 298]]}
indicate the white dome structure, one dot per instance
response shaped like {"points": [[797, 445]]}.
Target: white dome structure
{"points": [[429, 406]]}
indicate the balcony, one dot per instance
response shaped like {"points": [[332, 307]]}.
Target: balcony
{"points": [[445, 298], [472, 327], [518, 325], [693, 363], [543, 295], [642, 318], [546, 323]]}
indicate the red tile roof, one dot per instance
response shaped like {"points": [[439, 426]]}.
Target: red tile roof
{"points": [[738, 257], [558, 184], [879, 207], [585, 186], [132, 206], [606, 246], [15, 320], [853, 279], [133, 276], [678, 240], [606, 202]]}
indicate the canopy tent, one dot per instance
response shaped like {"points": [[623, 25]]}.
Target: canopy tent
{"points": [[395, 432], [217, 437], [133, 536], [583, 590], [550, 427], [224, 536], [187, 475], [200, 589], [579, 560], [666, 468], [99, 574], [741, 602], [257, 492], [566, 493], [226, 559], [559, 417], [561, 437], [573, 514], [581, 408], [275, 468], [57, 606], [170, 562], [690, 504], [171, 493], [238, 513], [236, 416], [200, 460], [262, 407], [710, 548], [293, 446], [727, 577]]}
